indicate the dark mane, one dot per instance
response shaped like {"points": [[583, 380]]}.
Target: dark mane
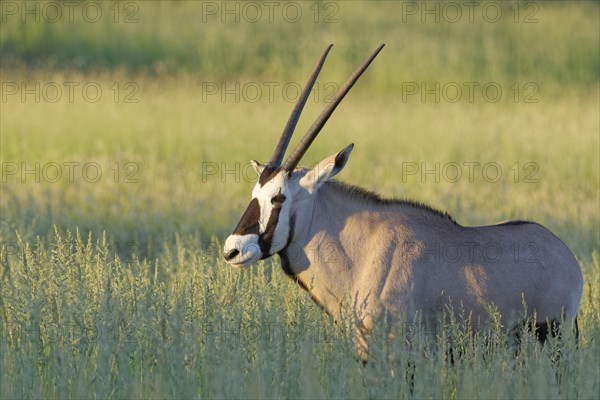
{"points": [[370, 197]]}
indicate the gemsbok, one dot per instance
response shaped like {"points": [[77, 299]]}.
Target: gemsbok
{"points": [[349, 247]]}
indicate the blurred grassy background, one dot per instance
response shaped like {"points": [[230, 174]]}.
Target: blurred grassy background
{"points": [[170, 51], [552, 43]]}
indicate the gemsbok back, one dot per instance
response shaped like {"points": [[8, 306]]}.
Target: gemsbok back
{"points": [[348, 247]]}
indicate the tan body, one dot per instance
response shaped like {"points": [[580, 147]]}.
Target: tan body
{"points": [[400, 257]]}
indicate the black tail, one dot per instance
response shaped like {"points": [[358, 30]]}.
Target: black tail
{"points": [[547, 329], [552, 328], [576, 333]]}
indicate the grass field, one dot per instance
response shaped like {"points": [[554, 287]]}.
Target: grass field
{"points": [[125, 149]]}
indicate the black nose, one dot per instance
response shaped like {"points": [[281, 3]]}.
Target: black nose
{"points": [[231, 254]]}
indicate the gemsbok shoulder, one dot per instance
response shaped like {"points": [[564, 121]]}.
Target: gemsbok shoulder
{"points": [[348, 247]]}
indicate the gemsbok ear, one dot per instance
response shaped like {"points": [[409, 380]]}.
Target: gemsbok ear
{"points": [[325, 170], [258, 167]]}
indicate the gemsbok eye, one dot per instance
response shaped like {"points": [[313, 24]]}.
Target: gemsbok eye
{"points": [[279, 198]]}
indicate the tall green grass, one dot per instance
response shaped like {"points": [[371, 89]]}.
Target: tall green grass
{"points": [[78, 322]]}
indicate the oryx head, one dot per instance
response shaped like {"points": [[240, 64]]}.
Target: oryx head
{"points": [[266, 226]]}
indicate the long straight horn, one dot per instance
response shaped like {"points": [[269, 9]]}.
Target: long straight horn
{"points": [[298, 152], [286, 135]]}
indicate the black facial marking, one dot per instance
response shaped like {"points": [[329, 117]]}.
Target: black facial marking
{"points": [[249, 222], [266, 239], [283, 255], [267, 174]]}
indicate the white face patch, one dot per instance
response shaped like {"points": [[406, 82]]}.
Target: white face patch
{"points": [[264, 228]]}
